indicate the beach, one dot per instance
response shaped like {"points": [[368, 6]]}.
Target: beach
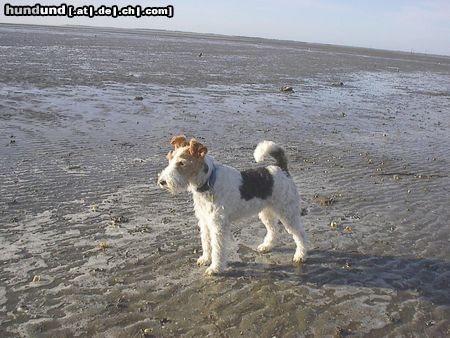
{"points": [[92, 247]]}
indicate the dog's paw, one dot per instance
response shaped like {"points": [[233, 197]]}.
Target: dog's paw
{"points": [[299, 258], [211, 271], [203, 260], [263, 248]]}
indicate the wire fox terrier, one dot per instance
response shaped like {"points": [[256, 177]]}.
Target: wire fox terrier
{"points": [[223, 195]]}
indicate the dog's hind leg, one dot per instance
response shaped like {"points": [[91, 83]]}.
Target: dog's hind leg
{"points": [[270, 220], [293, 226]]}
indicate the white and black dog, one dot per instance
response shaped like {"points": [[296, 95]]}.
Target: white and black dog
{"points": [[223, 194]]}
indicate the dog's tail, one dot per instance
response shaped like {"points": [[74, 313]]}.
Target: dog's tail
{"points": [[265, 148]]}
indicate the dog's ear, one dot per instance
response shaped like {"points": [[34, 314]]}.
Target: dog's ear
{"points": [[197, 149], [178, 141]]}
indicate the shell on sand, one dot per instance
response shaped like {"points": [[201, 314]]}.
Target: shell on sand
{"points": [[287, 89]]}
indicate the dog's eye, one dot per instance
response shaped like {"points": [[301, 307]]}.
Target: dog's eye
{"points": [[180, 163]]}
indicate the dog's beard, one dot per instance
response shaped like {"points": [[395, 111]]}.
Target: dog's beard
{"points": [[176, 186]]}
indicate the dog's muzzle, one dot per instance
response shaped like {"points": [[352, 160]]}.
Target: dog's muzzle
{"points": [[162, 183]]}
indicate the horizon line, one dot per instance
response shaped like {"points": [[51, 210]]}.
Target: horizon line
{"points": [[412, 53]]}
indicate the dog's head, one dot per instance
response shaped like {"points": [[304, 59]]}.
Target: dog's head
{"points": [[186, 166]]}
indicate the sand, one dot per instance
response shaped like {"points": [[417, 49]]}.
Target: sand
{"points": [[91, 247]]}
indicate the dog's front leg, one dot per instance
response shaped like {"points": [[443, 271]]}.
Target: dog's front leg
{"points": [[218, 257], [205, 258]]}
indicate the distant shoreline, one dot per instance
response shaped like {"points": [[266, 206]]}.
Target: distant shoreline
{"points": [[231, 37]]}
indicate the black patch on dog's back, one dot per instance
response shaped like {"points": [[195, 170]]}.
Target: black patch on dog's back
{"points": [[256, 183]]}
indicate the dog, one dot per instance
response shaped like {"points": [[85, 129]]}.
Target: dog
{"points": [[223, 194]]}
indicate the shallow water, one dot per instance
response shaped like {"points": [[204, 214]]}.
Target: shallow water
{"points": [[78, 151]]}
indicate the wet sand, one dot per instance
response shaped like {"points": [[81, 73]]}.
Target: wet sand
{"points": [[91, 247]]}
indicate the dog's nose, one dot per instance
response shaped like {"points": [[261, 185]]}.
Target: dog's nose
{"points": [[162, 183]]}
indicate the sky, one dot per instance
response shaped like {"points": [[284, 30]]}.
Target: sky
{"points": [[409, 25]]}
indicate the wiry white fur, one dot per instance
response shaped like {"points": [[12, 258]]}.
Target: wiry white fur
{"points": [[263, 149], [218, 208]]}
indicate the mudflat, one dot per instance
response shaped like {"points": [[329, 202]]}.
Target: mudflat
{"points": [[90, 246]]}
